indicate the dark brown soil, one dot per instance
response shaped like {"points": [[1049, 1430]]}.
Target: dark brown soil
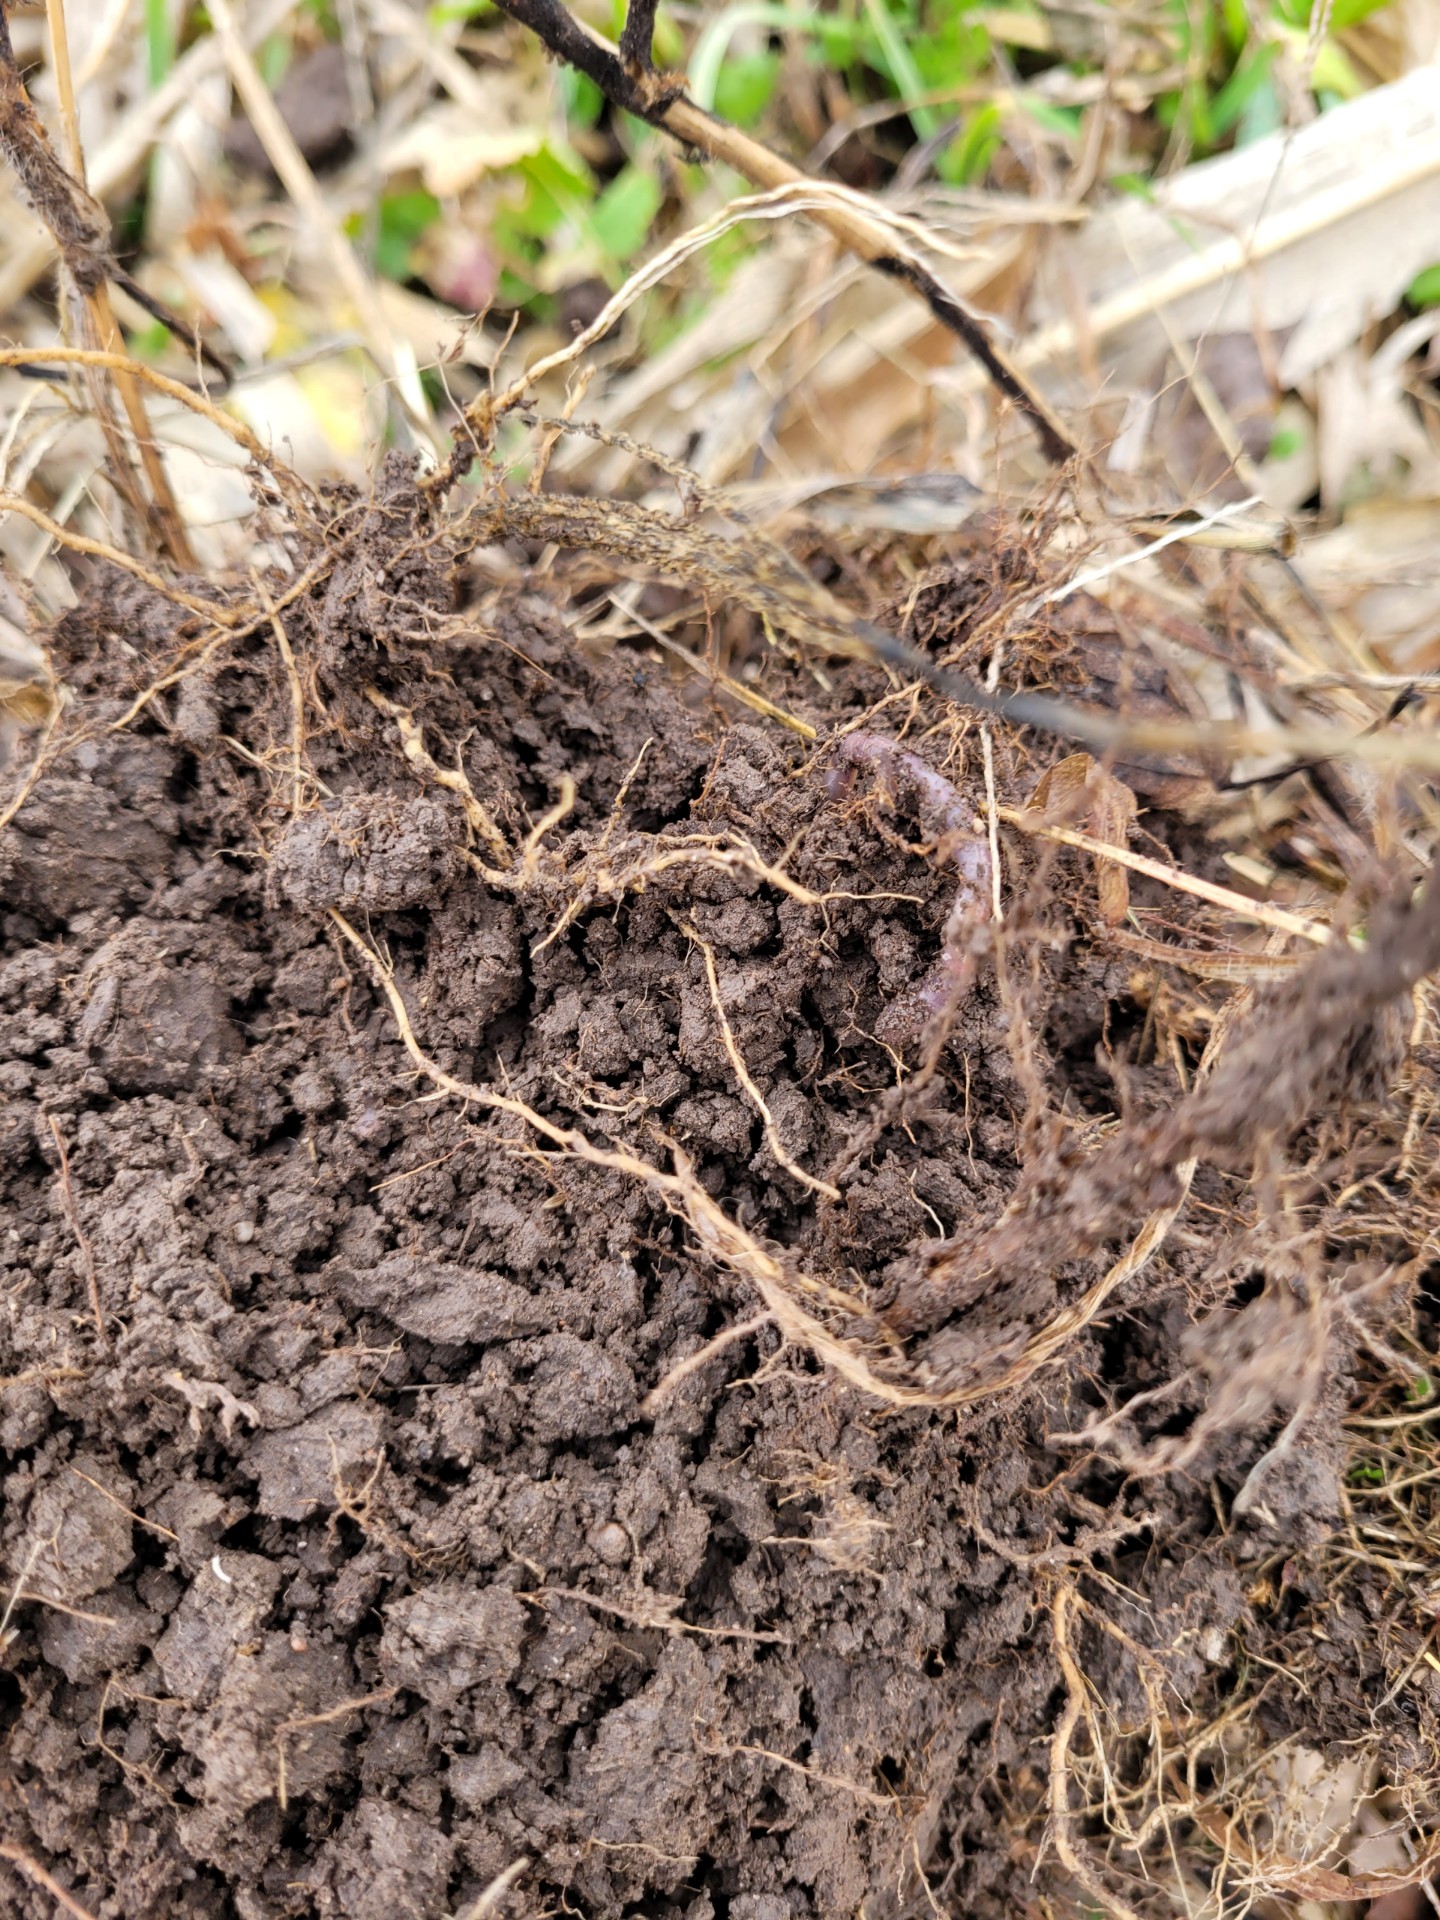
{"points": [[354, 1568]]}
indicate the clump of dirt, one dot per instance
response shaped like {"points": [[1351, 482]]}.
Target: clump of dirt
{"points": [[680, 1426]]}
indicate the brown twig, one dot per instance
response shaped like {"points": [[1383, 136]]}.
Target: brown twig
{"points": [[638, 36], [627, 78], [77, 223], [87, 1256]]}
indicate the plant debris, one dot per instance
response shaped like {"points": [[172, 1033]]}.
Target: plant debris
{"points": [[660, 1258], [423, 1044]]}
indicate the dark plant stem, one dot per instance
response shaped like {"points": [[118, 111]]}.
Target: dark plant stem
{"points": [[629, 80]]}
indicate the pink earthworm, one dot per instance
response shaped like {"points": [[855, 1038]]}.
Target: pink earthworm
{"points": [[942, 810]]}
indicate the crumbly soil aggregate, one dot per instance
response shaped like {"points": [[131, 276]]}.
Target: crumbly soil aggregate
{"points": [[355, 1567]]}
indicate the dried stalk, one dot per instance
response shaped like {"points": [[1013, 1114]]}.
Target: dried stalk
{"points": [[626, 77], [100, 318]]}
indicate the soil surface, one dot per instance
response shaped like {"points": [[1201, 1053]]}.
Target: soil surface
{"points": [[368, 1547]]}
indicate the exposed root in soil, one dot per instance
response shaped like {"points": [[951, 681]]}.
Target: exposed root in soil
{"points": [[654, 1293], [33, 1870], [699, 870]]}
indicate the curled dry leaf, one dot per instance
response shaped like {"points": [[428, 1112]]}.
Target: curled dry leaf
{"points": [[1078, 791]]}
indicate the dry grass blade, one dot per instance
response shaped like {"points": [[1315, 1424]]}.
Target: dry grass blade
{"points": [[393, 358], [211, 610], [856, 224], [1258, 912], [101, 322], [116, 160], [82, 234], [737, 690], [115, 361], [1266, 237]]}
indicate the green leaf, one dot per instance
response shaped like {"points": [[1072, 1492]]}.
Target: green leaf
{"points": [[621, 217], [1236, 22], [1349, 13], [562, 175], [149, 343], [1263, 114], [1332, 73], [583, 100], [272, 58], [669, 43], [159, 40], [1424, 289], [841, 43], [1062, 120], [1231, 101], [745, 87], [967, 159], [559, 187], [899, 62], [710, 55], [403, 218], [1134, 184], [957, 53]]}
